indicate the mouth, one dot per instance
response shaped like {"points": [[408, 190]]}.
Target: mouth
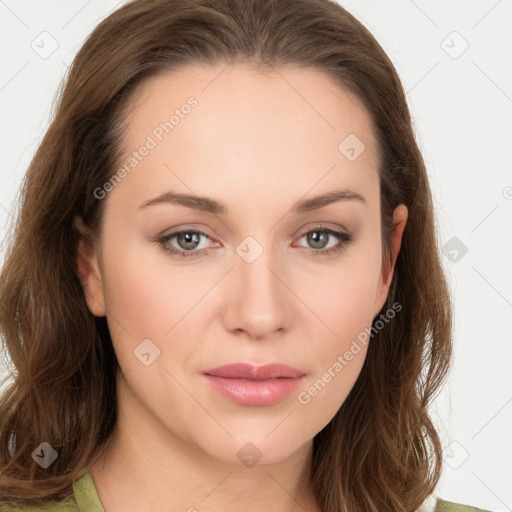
{"points": [[251, 372], [249, 385]]}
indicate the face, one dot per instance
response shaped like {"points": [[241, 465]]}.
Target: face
{"points": [[259, 274]]}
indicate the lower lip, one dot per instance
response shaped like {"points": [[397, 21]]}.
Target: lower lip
{"points": [[255, 392]]}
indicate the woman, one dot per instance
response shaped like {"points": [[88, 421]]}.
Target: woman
{"points": [[224, 288]]}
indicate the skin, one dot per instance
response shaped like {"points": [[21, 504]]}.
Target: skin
{"points": [[258, 143]]}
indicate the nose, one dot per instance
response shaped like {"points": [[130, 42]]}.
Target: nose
{"points": [[258, 301]]}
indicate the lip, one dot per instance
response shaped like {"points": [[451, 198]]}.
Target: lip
{"points": [[249, 371], [251, 385]]}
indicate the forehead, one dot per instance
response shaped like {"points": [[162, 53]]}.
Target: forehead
{"points": [[251, 129]]}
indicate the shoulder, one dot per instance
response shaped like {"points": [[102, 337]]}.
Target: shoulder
{"points": [[65, 505], [449, 506], [83, 499], [84, 488]]}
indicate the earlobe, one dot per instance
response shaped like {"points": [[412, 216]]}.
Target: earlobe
{"points": [[399, 220], [88, 269]]}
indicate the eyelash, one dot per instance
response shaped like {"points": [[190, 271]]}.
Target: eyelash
{"points": [[344, 238]]}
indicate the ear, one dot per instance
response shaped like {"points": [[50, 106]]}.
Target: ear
{"points": [[89, 271], [387, 270]]}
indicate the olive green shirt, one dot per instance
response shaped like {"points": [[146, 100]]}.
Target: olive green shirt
{"points": [[87, 500]]}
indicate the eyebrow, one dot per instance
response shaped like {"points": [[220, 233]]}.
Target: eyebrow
{"points": [[210, 205]]}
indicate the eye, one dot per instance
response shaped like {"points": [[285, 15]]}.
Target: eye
{"points": [[318, 239], [188, 241]]}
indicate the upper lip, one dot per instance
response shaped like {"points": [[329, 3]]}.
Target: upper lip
{"points": [[249, 371]]}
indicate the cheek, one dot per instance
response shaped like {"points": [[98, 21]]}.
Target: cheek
{"points": [[338, 354], [345, 305], [141, 304], [325, 391], [343, 298], [347, 311]]}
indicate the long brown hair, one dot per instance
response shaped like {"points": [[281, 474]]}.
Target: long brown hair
{"points": [[381, 451]]}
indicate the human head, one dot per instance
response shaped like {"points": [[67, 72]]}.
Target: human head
{"points": [[86, 139]]}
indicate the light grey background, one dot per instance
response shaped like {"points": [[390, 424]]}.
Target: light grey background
{"points": [[461, 101]]}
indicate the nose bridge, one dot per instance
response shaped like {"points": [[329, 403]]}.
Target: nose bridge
{"points": [[258, 301]]}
